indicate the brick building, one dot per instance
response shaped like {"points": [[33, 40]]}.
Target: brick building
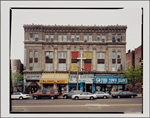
{"points": [[133, 58], [17, 66], [53, 53]]}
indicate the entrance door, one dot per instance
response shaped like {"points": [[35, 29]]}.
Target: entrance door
{"points": [[88, 88]]}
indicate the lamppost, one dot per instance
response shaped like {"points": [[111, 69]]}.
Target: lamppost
{"points": [[54, 68]]}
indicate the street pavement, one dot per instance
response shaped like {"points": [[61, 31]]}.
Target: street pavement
{"points": [[122, 105]]}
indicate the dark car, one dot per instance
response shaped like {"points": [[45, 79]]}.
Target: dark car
{"points": [[125, 94], [68, 95], [50, 93]]}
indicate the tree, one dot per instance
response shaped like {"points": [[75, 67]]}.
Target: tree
{"points": [[17, 78], [133, 75]]}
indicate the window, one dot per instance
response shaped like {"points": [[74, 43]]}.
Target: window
{"points": [[36, 54], [31, 37], [14, 69], [46, 37], [30, 54], [72, 38], [49, 67], [49, 55], [62, 67], [60, 38], [35, 66], [85, 37], [123, 65], [30, 66], [118, 67], [64, 38], [90, 38], [113, 55], [77, 38], [113, 38], [62, 55], [36, 37], [119, 55], [24, 56], [98, 38], [119, 38], [52, 38], [113, 66], [100, 67], [100, 55], [103, 38]]}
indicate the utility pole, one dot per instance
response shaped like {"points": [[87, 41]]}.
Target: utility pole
{"points": [[142, 51], [77, 74]]}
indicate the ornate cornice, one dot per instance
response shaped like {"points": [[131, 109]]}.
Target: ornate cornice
{"points": [[74, 29], [75, 43]]}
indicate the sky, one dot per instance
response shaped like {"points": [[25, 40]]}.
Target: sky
{"points": [[127, 16]]}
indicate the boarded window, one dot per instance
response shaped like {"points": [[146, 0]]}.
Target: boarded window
{"points": [[75, 55], [113, 67], [62, 67], [87, 67], [100, 67], [35, 66], [30, 60], [35, 60], [49, 67]]}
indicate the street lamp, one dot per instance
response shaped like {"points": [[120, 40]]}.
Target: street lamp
{"points": [[54, 68]]}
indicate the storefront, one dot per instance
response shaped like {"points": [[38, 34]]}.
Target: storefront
{"points": [[109, 83], [85, 82], [57, 80], [32, 82]]}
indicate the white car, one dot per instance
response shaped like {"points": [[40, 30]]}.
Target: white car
{"points": [[19, 95], [101, 94], [84, 95]]}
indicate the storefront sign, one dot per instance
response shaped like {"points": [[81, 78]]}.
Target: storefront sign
{"points": [[33, 77], [52, 81], [109, 80], [82, 78]]}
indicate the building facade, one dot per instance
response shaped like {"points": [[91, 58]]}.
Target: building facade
{"points": [[92, 50], [17, 66], [133, 58]]}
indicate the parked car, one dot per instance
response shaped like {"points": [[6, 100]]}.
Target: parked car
{"points": [[50, 93], [124, 94], [101, 94], [68, 95], [84, 95], [19, 95]]}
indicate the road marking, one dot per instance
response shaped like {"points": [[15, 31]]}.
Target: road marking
{"points": [[88, 105]]}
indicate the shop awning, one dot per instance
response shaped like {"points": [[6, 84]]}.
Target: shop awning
{"points": [[59, 78]]}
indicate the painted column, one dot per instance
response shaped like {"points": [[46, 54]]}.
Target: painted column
{"points": [[67, 87], [81, 86], [68, 58], [56, 58], [94, 60], [93, 88]]}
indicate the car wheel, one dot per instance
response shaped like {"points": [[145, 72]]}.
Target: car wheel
{"points": [[65, 97], [20, 98], [91, 98], [132, 96], [76, 98], [52, 97], [35, 98], [118, 96], [105, 97]]}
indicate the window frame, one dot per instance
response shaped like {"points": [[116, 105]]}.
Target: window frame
{"points": [[114, 55], [103, 38], [72, 37], [119, 55], [99, 67], [30, 38], [64, 38], [78, 38], [85, 37], [118, 38], [98, 36], [90, 38], [46, 38], [52, 38], [59, 38], [36, 36]]}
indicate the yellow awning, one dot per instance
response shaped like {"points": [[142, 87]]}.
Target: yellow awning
{"points": [[59, 78]]}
